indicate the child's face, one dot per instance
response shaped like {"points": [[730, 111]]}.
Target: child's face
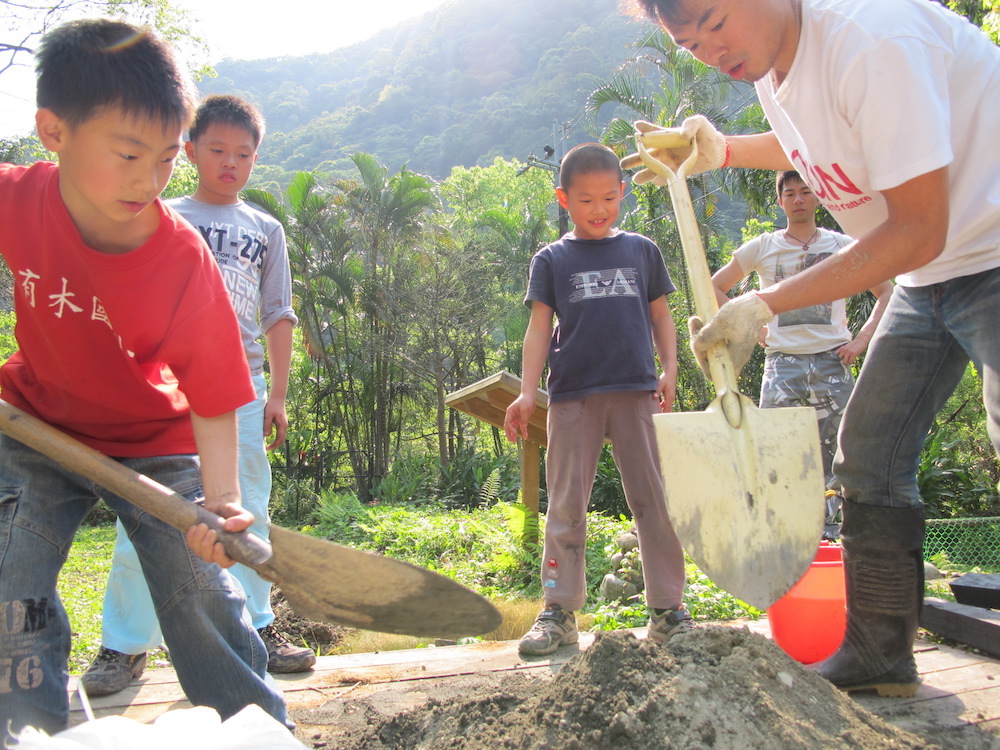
{"points": [[111, 169], [225, 155], [593, 201]]}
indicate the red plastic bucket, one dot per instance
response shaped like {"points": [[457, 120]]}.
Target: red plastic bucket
{"points": [[808, 622]]}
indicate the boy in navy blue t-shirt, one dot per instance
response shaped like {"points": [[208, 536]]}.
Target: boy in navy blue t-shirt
{"points": [[607, 290]]}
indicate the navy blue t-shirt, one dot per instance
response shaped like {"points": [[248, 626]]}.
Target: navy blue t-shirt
{"points": [[600, 291]]}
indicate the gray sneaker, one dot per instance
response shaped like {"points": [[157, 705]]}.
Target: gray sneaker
{"points": [[111, 671], [552, 628], [282, 656], [669, 624]]}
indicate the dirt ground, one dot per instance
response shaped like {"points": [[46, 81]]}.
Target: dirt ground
{"points": [[319, 635], [716, 687]]}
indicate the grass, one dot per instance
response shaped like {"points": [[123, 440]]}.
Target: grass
{"points": [[475, 548], [85, 574], [81, 588]]}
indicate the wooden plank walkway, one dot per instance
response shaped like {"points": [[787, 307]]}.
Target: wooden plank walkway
{"points": [[960, 692]]}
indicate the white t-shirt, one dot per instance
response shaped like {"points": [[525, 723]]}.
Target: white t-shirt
{"points": [[882, 91], [808, 330]]}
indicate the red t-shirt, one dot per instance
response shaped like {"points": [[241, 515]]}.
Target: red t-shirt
{"points": [[114, 348]]}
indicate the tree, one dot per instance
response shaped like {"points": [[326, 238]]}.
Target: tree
{"points": [[385, 215], [354, 255], [27, 20], [984, 13], [451, 302], [506, 213], [323, 284]]}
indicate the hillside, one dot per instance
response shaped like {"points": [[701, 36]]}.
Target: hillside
{"points": [[458, 86]]}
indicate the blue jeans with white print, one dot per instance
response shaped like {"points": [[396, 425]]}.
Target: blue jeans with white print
{"points": [[220, 660], [917, 357]]}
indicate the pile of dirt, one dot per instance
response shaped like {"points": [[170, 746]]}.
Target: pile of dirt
{"points": [[320, 636], [716, 687]]}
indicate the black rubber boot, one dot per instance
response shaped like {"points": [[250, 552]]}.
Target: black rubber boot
{"points": [[884, 570]]}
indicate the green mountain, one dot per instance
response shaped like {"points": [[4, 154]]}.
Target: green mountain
{"points": [[459, 86]]}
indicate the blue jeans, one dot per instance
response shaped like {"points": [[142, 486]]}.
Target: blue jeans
{"points": [[919, 353], [129, 622], [220, 660]]}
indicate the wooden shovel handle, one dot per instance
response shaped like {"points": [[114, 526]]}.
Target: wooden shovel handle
{"points": [[137, 488], [723, 375]]}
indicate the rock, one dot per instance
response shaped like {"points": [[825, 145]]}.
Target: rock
{"points": [[616, 561], [612, 587], [931, 572], [628, 541]]}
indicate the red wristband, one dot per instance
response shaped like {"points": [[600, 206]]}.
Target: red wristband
{"points": [[729, 155]]}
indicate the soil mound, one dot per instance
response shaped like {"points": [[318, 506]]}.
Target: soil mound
{"points": [[716, 687]]}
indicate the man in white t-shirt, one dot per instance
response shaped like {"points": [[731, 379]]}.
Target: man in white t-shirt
{"points": [[810, 350], [889, 111]]}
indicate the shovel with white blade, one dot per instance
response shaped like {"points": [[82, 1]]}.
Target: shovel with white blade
{"points": [[743, 485]]}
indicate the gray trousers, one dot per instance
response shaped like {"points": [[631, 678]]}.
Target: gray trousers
{"points": [[576, 431]]}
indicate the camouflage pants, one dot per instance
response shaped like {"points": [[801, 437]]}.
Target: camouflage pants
{"points": [[819, 380]]}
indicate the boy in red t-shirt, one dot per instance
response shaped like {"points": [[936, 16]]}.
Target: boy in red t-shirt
{"points": [[127, 342]]}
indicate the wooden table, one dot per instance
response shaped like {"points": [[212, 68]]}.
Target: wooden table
{"points": [[488, 400]]}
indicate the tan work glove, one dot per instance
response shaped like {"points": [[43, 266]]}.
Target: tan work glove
{"points": [[738, 323], [711, 149]]}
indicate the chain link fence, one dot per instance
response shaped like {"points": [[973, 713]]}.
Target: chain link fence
{"points": [[973, 542]]}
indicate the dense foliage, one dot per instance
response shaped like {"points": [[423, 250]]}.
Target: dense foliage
{"points": [[458, 87], [393, 166]]}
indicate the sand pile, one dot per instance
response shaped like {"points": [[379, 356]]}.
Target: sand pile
{"points": [[716, 687]]}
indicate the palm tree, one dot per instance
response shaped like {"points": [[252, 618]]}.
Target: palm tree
{"points": [[323, 284], [384, 215]]}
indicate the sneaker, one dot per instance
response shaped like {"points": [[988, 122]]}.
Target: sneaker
{"points": [[553, 628], [282, 656], [669, 624], [111, 671]]}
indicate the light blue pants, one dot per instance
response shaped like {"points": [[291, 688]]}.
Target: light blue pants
{"points": [[129, 620], [919, 353], [220, 660]]}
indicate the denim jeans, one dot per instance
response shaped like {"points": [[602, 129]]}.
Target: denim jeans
{"points": [[919, 353], [220, 660], [129, 622]]}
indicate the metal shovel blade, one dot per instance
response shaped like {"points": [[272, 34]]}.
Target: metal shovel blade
{"points": [[743, 486], [745, 502]]}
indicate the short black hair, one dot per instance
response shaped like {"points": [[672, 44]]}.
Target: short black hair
{"points": [[91, 64], [658, 11], [785, 177], [230, 110], [586, 159]]}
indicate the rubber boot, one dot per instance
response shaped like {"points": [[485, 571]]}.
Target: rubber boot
{"points": [[884, 571]]}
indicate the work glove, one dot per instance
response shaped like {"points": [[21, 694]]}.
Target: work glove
{"points": [[737, 323], [711, 150]]}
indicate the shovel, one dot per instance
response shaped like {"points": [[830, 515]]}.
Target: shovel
{"points": [[321, 580], [743, 485]]}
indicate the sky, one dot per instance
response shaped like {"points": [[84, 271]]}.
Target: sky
{"points": [[244, 29]]}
